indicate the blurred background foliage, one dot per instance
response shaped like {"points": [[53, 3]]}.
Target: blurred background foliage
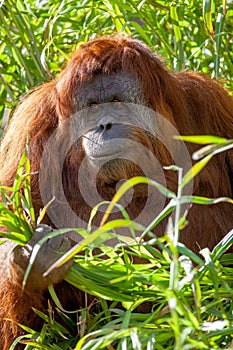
{"points": [[37, 36]]}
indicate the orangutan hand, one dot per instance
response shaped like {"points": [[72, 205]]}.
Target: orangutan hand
{"points": [[48, 253]]}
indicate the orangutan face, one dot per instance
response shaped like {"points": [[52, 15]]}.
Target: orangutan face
{"points": [[114, 139]]}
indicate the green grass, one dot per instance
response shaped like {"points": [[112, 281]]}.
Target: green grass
{"points": [[188, 297], [36, 37]]}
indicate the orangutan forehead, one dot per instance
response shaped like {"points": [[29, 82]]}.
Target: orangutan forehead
{"points": [[110, 87]]}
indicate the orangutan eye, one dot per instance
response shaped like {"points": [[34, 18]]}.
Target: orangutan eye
{"points": [[116, 99], [93, 103]]}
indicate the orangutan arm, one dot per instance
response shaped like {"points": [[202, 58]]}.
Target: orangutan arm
{"points": [[16, 304]]}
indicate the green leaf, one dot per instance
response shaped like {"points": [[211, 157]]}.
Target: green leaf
{"points": [[207, 13], [195, 170], [201, 139]]}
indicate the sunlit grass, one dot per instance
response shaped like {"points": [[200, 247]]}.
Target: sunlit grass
{"points": [[172, 299]]}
